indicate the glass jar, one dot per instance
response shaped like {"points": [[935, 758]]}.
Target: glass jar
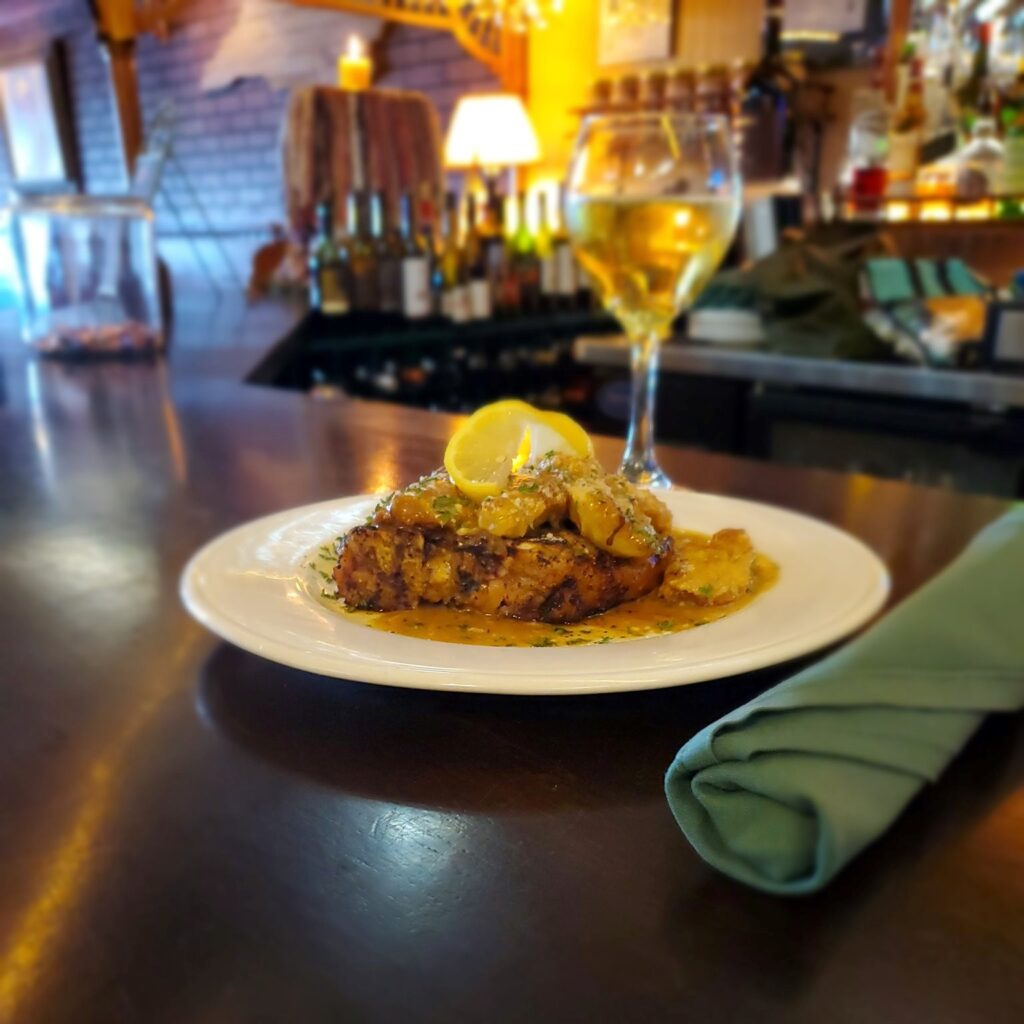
{"points": [[88, 275], [981, 163]]}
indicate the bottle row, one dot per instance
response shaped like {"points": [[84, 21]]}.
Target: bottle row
{"points": [[954, 130], [459, 378], [466, 264]]}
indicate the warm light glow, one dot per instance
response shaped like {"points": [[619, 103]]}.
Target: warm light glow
{"points": [[355, 69], [936, 211], [897, 211], [810, 35], [976, 211], [491, 131]]}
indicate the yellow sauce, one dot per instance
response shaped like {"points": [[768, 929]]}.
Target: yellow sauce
{"points": [[647, 616]]}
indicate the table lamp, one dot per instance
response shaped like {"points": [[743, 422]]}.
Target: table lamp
{"points": [[490, 132]]}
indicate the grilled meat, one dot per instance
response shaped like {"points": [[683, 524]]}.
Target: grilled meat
{"points": [[557, 576], [563, 540]]}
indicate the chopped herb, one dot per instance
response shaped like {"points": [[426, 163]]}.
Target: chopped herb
{"points": [[561, 631], [528, 488], [707, 590], [544, 641], [326, 576], [446, 507], [665, 624], [312, 565], [549, 454], [605, 639]]}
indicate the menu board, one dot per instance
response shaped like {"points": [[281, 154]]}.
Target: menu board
{"points": [[839, 16]]}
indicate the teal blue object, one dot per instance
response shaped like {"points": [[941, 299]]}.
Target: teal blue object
{"points": [[961, 280], [786, 790], [889, 280], [928, 275]]}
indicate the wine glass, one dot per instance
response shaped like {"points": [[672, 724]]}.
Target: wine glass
{"points": [[651, 206]]}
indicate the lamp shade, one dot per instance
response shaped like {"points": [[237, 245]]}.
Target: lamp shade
{"points": [[490, 130]]}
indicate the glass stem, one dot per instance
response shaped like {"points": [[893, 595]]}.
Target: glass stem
{"points": [[639, 463]]}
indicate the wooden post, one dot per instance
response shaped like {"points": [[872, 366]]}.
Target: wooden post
{"points": [[899, 26], [514, 69], [116, 29]]}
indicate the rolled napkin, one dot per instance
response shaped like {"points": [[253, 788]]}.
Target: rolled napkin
{"points": [[784, 791]]}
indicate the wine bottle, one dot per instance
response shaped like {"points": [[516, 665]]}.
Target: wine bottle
{"points": [[476, 265], [454, 301], [326, 285], [496, 256], [362, 257], [545, 247], [566, 274], [415, 264], [766, 108], [525, 261], [972, 96], [389, 255]]}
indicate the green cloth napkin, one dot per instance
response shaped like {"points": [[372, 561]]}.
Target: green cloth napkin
{"points": [[783, 792]]}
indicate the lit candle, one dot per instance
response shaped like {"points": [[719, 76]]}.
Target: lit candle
{"points": [[355, 69]]}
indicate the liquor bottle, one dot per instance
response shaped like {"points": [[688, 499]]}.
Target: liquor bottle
{"points": [[362, 256], [389, 255], [566, 277], [415, 265], [1012, 117], [454, 297], [326, 284], [496, 255], [868, 146], [546, 256], [766, 107], [972, 96], [476, 265], [907, 131], [525, 263]]}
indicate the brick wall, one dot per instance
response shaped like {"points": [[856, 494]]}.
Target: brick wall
{"points": [[433, 63], [226, 142]]}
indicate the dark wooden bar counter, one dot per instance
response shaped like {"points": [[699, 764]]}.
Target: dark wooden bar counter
{"points": [[192, 834]]}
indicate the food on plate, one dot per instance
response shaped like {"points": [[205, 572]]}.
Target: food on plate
{"points": [[523, 523]]}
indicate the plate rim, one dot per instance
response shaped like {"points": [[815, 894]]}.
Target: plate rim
{"points": [[516, 681]]}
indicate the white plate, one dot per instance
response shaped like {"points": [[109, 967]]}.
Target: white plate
{"points": [[252, 586]]}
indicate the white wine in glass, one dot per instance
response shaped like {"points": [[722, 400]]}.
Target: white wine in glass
{"points": [[651, 207]]}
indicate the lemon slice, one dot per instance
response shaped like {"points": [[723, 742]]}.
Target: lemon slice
{"points": [[501, 437]]}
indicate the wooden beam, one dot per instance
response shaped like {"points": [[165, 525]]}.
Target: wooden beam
{"points": [[502, 51]]}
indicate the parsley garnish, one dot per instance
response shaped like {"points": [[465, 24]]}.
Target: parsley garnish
{"points": [[544, 641], [446, 507], [665, 625], [707, 590], [528, 488]]}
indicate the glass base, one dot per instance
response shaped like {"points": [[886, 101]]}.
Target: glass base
{"points": [[645, 473]]}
